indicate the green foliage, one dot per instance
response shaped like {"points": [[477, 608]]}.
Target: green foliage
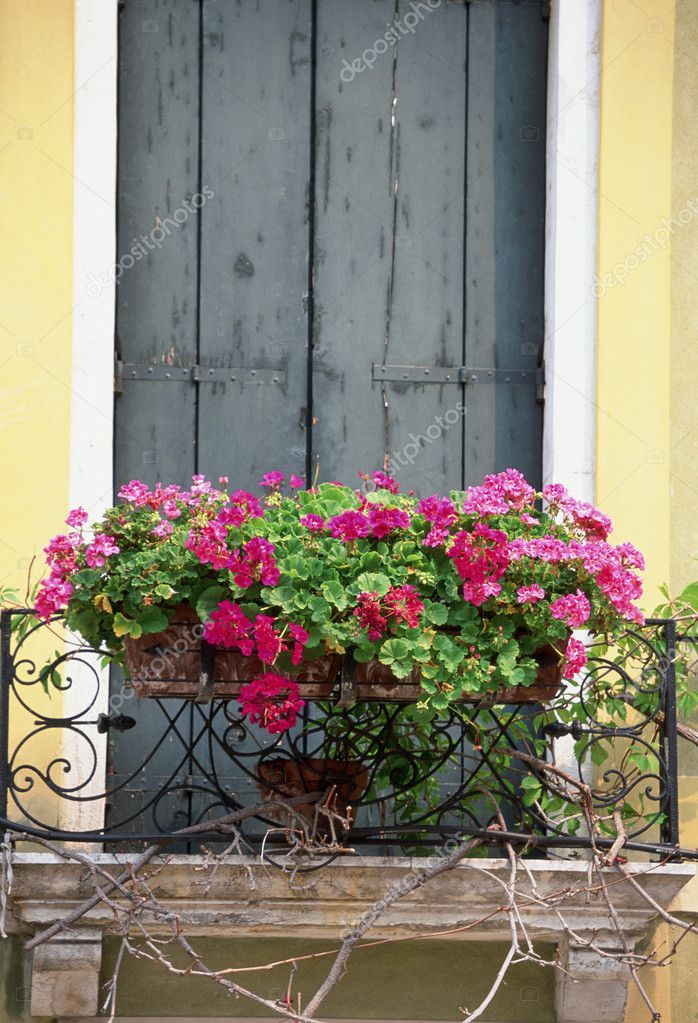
{"points": [[177, 547]]}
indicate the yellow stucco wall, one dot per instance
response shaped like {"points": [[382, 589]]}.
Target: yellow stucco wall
{"points": [[36, 211], [684, 302], [634, 312], [647, 469]]}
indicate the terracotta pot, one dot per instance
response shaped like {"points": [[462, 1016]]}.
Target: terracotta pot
{"points": [[288, 778], [169, 663]]}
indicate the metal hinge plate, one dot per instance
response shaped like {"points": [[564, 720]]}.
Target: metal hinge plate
{"points": [[467, 375], [196, 374]]}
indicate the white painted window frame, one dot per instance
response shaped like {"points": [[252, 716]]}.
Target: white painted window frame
{"points": [[569, 429], [92, 363], [569, 445]]}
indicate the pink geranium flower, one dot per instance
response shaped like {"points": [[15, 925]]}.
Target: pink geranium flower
{"points": [[52, 596], [404, 604], [272, 479], [271, 701], [573, 608], [315, 523], [77, 518], [575, 658], [368, 611], [102, 547], [349, 525], [300, 637], [530, 594], [229, 627], [134, 492], [385, 482], [256, 563], [386, 520]]}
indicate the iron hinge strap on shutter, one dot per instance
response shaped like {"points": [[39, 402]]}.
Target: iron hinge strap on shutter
{"points": [[124, 371], [468, 376]]}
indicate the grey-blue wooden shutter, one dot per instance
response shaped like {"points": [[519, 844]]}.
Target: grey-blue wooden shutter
{"points": [[363, 284]]}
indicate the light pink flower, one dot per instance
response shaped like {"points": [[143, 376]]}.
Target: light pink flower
{"points": [[572, 608], [575, 658], [272, 479], [530, 594], [100, 549], [77, 518]]}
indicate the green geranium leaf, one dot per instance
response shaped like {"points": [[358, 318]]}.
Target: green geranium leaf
{"points": [[208, 602], [373, 582], [400, 668], [152, 619], [437, 614], [281, 595], [393, 650], [365, 652], [124, 626], [335, 593]]}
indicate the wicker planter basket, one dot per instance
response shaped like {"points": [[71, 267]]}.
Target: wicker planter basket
{"points": [[176, 662], [283, 777]]}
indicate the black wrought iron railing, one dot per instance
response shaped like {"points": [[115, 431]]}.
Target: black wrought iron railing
{"points": [[82, 758]]}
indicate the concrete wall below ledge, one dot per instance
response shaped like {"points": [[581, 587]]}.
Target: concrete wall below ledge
{"points": [[404, 980]]}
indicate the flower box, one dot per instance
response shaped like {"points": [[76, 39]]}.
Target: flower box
{"points": [[172, 663]]}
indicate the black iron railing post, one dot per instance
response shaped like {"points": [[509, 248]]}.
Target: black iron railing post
{"points": [[6, 673], [670, 826]]}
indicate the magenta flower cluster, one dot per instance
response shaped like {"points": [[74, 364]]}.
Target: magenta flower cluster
{"points": [[62, 553], [271, 701], [400, 604], [229, 627], [542, 560]]}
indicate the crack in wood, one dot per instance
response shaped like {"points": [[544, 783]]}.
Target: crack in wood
{"points": [[393, 184]]}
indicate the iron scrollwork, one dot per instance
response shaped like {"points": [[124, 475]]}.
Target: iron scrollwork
{"points": [[73, 755]]}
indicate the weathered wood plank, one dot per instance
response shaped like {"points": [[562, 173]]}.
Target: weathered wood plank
{"points": [[426, 322], [254, 255], [156, 301], [505, 232], [389, 222], [157, 236], [353, 236]]}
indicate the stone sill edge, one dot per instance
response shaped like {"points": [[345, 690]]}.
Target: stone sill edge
{"points": [[372, 863]]}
